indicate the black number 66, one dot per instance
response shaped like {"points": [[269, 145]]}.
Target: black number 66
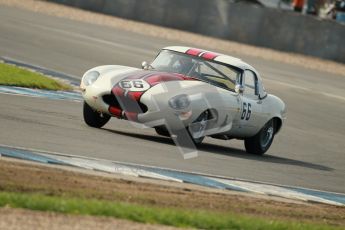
{"points": [[246, 112]]}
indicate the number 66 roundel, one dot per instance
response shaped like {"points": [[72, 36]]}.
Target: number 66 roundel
{"points": [[135, 85]]}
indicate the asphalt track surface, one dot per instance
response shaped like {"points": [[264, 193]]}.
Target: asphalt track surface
{"points": [[309, 152]]}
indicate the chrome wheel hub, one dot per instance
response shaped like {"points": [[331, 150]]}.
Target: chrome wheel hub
{"points": [[198, 128], [267, 136]]}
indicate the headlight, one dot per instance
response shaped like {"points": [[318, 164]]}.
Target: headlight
{"points": [[90, 77], [179, 102]]}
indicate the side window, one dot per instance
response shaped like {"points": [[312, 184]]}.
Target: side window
{"points": [[250, 83], [219, 75]]}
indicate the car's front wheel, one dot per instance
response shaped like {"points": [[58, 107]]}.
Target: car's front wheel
{"points": [[93, 118], [262, 141], [195, 130]]}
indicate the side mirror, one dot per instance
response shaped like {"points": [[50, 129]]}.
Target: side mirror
{"points": [[239, 89], [145, 65]]}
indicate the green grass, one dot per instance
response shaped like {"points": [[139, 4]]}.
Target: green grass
{"points": [[14, 76], [146, 214]]}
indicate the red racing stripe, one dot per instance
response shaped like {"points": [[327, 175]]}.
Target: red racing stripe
{"points": [[163, 77], [118, 91], [194, 52], [134, 95], [210, 55]]}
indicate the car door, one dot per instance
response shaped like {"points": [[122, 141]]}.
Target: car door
{"points": [[251, 109]]}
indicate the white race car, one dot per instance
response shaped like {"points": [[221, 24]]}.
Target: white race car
{"points": [[187, 93]]}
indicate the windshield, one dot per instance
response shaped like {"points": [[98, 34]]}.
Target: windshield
{"points": [[215, 73]]}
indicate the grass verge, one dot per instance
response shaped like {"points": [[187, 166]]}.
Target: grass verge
{"points": [[146, 214], [155, 196], [14, 76]]}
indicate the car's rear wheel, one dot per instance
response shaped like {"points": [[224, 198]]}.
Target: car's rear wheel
{"points": [[262, 141], [93, 118]]}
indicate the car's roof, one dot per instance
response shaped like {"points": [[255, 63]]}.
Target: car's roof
{"points": [[226, 59]]}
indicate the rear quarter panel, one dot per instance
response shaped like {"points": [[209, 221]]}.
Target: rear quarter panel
{"points": [[273, 107]]}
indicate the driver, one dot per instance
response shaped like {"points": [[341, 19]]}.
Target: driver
{"points": [[186, 65]]}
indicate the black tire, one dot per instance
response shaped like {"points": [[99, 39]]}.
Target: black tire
{"points": [[93, 118], [262, 141]]}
